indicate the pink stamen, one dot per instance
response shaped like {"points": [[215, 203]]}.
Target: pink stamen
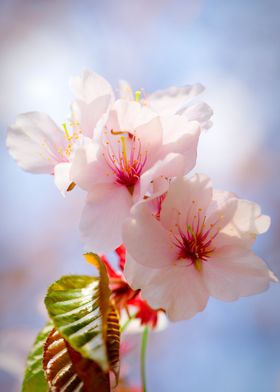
{"points": [[127, 169], [196, 242]]}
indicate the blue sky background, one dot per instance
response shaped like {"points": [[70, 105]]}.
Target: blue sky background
{"points": [[233, 49]]}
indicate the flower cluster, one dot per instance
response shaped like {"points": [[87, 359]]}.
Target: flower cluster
{"points": [[132, 153]]}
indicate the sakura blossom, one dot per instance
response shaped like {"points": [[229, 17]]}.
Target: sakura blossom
{"points": [[198, 246], [39, 145], [135, 155]]}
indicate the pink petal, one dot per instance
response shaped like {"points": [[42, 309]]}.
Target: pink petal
{"points": [[184, 198], [178, 289], [146, 240], [62, 177], [127, 116], [86, 116], [221, 209], [34, 141], [89, 167], [156, 179], [235, 272], [89, 85], [106, 208], [137, 274]]}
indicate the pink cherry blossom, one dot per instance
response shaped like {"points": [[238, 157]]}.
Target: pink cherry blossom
{"points": [[40, 146], [136, 154], [198, 246]]}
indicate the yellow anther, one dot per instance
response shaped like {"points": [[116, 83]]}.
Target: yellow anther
{"points": [[137, 95], [66, 131], [124, 149]]}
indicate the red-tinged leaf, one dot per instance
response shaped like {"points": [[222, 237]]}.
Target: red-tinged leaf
{"points": [[67, 371]]}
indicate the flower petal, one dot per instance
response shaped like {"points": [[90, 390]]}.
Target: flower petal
{"points": [[178, 289], [200, 112], [85, 117], [35, 142], [158, 176], [62, 177], [181, 136], [146, 240], [106, 208], [235, 272], [89, 168], [172, 99], [247, 222], [183, 200], [126, 116], [89, 85], [125, 90]]}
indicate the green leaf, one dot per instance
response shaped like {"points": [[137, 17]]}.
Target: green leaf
{"points": [[34, 378], [80, 309], [67, 370]]}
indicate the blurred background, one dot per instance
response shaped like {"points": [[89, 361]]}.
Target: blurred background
{"points": [[230, 47]]}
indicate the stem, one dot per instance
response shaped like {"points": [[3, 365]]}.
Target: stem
{"points": [[144, 342], [126, 324]]}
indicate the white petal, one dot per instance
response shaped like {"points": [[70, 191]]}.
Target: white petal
{"points": [[106, 208], [181, 136], [125, 91], [171, 100], [146, 240], [34, 141], [62, 177], [89, 86], [235, 272], [200, 112], [246, 223]]}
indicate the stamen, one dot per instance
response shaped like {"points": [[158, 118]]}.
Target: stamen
{"points": [[66, 131], [128, 163], [195, 243], [137, 96]]}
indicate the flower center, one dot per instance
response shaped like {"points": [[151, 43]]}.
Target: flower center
{"points": [[128, 162], [196, 242]]}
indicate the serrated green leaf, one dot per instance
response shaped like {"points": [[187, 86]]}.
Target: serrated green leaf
{"points": [[34, 378], [79, 307]]}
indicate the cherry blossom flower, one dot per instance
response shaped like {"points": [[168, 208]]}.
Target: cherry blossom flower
{"points": [[136, 154], [199, 246], [40, 146]]}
